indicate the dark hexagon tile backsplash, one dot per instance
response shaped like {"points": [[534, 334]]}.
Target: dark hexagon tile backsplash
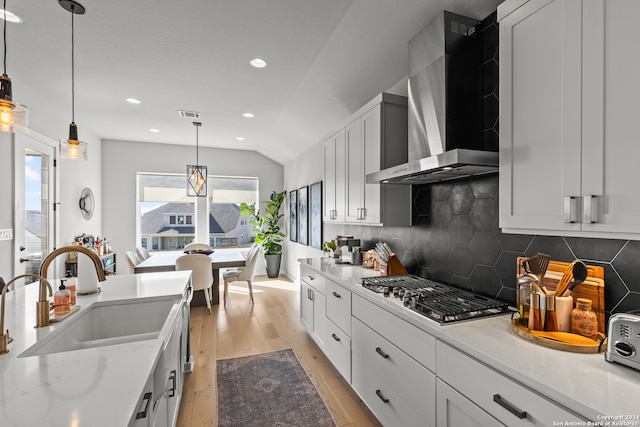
{"points": [[465, 247]]}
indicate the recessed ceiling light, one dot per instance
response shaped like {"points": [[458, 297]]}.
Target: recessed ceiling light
{"points": [[248, 115], [240, 138], [11, 17], [133, 101], [154, 130], [258, 62]]}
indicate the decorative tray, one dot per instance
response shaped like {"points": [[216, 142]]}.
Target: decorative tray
{"points": [[57, 317], [565, 341]]}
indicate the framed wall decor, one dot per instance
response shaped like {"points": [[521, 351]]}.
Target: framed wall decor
{"points": [[303, 216], [315, 215], [293, 215]]}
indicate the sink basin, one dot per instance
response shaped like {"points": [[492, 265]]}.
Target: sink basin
{"points": [[108, 323]]}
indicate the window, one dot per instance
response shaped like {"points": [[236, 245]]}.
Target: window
{"points": [[167, 215]]}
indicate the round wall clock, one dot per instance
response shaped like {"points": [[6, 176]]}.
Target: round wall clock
{"points": [[86, 203]]}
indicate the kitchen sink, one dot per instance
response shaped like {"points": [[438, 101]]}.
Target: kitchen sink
{"points": [[109, 323]]}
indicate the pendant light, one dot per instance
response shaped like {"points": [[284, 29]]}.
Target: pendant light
{"points": [[196, 174], [13, 116], [73, 148]]}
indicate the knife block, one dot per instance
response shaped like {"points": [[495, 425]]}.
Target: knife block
{"points": [[393, 267]]}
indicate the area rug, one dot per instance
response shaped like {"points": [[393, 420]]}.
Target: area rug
{"points": [[270, 389]]}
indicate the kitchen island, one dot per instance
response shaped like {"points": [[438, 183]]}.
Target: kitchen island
{"points": [[99, 386], [478, 365]]}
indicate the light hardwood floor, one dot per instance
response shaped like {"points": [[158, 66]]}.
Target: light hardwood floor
{"points": [[271, 323]]}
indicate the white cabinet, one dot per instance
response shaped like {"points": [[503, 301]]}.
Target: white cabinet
{"points": [[499, 396], [339, 306], [374, 138], [567, 128], [338, 349], [313, 305], [142, 416], [339, 328], [411, 382], [333, 150], [455, 410]]}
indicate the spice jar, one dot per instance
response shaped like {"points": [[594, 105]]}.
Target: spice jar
{"points": [[583, 320]]}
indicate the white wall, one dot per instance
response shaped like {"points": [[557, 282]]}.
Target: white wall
{"points": [[6, 203], [304, 170], [122, 160], [48, 118]]}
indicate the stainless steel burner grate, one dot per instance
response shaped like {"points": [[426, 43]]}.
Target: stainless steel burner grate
{"points": [[437, 301]]}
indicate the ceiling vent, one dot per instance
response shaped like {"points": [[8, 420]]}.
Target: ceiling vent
{"points": [[189, 114]]}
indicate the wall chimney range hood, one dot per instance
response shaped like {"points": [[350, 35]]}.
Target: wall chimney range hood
{"points": [[445, 106]]}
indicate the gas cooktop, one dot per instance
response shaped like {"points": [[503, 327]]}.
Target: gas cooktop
{"points": [[437, 301]]}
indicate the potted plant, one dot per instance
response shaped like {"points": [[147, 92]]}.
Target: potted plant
{"points": [[329, 248], [267, 230]]}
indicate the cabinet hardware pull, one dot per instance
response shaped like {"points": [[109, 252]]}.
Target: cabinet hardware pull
{"points": [[310, 294], [311, 278], [588, 204], [335, 337], [569, 202], [506, 405], [143, 413], [363, 213], [172, 377], [335, 294], [358, 213], [384, 399], [382, 353]]}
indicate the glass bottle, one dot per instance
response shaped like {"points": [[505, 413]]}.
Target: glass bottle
{"points": [[583, 320], [524, 305]]}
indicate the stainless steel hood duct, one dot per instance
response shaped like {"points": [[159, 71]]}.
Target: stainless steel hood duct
{"points": [[445, 106]]}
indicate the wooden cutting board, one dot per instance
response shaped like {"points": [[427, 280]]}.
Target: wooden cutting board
{"points": [[592, 288]]}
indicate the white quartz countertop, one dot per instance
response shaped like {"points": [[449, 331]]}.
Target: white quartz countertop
{"points": [[90, 387], [584, 383]]}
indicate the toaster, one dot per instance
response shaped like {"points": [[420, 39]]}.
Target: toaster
{"points": [[624, 340]]}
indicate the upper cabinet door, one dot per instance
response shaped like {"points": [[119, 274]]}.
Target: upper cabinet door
{"points": [[610, 173], [540, 116], [334, 178], [355, 170], [371, 143]]}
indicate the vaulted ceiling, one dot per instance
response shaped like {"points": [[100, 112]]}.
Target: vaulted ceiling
{"points": [[325, 59]]}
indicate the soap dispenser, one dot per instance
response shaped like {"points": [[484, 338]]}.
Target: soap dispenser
{"points": [[71, 287], [61, 300]]}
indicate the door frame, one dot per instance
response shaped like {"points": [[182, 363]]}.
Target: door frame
{"points": [[37, 141]]}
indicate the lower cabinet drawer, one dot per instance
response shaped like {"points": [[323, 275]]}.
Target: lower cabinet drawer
{"points": [[414, 383], [503, 398], [418, 344], [338, 349], [386, 405]]}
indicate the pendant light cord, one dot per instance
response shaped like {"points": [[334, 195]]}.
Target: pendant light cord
{"points": [[4, 15], [197, 147], [73, 78]]}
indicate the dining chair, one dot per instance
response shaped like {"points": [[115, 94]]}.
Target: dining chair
{"points": [[242, 274], [201, 273], [142, 253], [133, 259], [197, 247]]}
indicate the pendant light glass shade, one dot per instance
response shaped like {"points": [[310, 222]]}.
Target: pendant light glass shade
{"points": [[13, 116], [72, 148], [196, 174]]}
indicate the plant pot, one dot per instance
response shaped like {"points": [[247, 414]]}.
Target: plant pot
{"points": [[272, 264]]}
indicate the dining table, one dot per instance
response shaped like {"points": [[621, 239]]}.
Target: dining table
{"points": [[166, 261]]}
